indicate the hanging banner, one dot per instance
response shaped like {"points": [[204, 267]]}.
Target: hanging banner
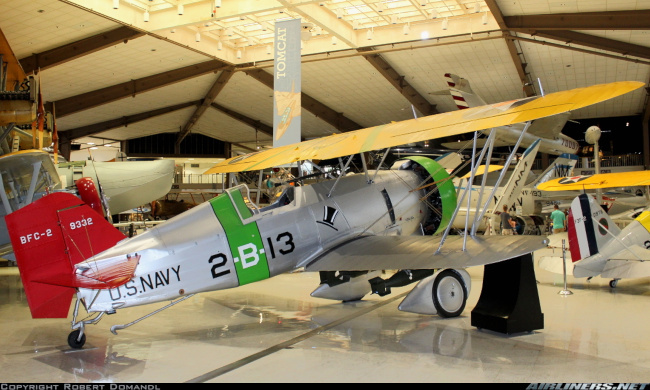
{"points": [[286, 86]]}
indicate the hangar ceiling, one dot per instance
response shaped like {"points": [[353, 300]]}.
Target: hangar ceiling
{"points": [[116, 70]]}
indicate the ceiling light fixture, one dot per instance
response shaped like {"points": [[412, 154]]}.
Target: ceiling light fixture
{"points": [[477, 7], [116, 4], [380, 7], [484, 19], [445, 23], [219, 45], [369, 34], [181, 9], [406, 29], [217, 3], [238, 54], [434, 13], [334, 41], [198, 37], [146, 16], [393, 19]]}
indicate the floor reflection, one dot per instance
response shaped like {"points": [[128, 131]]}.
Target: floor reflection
{"points": [[95, 364]]}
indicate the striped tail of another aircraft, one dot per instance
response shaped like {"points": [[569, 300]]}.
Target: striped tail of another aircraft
{"points": [[462, 93], [590, 229]]}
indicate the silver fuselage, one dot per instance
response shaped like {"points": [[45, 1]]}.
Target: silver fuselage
{"points": [[223, 243]]}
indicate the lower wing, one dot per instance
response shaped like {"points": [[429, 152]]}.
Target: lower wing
{"points": [[419, 252]]}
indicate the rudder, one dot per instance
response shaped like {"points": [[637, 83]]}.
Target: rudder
{"points": [[562, 166], [589, 227], [462, 93], [49, 236]]}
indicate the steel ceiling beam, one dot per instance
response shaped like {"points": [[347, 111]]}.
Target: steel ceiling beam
{"points": [[520, 65], [592, 41], [82, 47], [216, 88], [124, 121], [256, 124], [337, 120], [609, 20], [400, 83], [101, 96]]}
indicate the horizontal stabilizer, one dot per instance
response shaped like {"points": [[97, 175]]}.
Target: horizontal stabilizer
{"points": [[107, 273], [632, 253], [418, 252], [622, 269], [632, 262], [549, 127]]}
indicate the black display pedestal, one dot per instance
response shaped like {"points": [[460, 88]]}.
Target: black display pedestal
{"points": [[509, 302]]}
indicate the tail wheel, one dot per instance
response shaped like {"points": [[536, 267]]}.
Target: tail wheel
{"points": [[74, 341], [449, 294]]}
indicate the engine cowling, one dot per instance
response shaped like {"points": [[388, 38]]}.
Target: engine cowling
{"points": [[437, 190]]}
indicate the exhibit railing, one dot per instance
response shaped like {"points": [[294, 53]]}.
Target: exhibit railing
{"points": [[199, 178], [625, 160], [612, 161]]}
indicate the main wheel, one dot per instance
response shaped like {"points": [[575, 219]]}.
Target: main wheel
{"points": [[613, 283], [74, 341], [449, 294]]}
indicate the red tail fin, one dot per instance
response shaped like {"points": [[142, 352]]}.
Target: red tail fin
{"points": [[49, 237]]}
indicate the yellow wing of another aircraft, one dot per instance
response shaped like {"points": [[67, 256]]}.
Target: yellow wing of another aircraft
{"points": [[601, 180], [481, 170], [429, 127]]}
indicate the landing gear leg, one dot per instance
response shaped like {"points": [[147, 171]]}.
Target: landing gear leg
{"points": [[77, 338]]}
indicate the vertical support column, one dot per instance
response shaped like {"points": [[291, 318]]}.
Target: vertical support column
{"points": [[509, 302]]}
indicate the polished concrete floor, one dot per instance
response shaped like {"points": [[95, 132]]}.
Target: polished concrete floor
{"points": [[273, 331]]}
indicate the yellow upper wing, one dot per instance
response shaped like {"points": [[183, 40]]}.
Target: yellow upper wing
{"points": [[429, 127], [601, 180]]}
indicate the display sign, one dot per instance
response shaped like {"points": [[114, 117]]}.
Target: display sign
{"points": [[286, 84]]}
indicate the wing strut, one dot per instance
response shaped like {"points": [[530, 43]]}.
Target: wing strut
{"points": [[503, 172], [329, 194], [460, 201], [470, 183], [380, 163], [365, 167], [490, 141]]}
